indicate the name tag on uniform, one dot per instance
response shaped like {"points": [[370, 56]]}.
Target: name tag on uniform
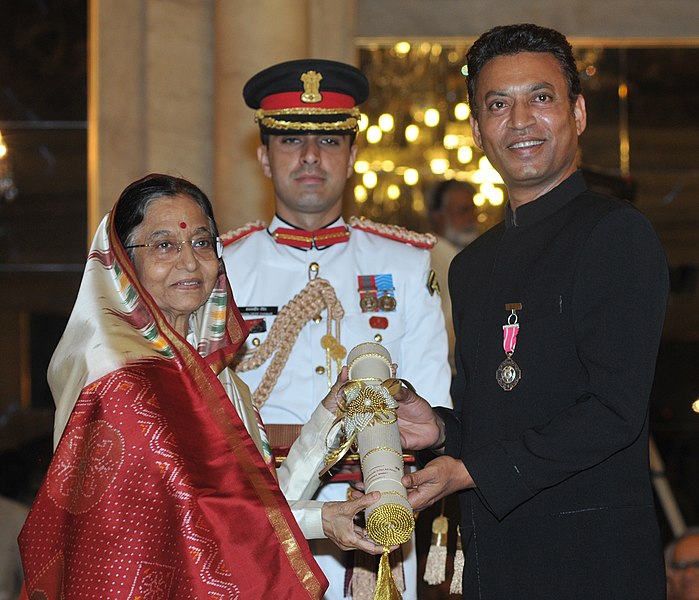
{"points": [[259, 311]]}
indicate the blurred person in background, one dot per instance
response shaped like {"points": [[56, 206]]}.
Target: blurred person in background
{"points": [[683, 566], [454, 220]]}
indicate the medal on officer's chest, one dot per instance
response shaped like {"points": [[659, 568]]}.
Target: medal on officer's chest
{"points": [[376, 293], [509, 373]]}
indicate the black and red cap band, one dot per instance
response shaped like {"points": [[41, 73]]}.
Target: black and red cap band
{"points": [[307, 96]]}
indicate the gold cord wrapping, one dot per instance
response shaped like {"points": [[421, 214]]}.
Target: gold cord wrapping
{"points": [[390, 524], [381, 357], [318, 295]]}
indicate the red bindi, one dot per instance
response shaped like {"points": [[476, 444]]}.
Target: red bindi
{"points": [[183, 225]]}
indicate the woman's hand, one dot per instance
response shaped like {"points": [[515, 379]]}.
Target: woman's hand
{"points": [[340, 527]]}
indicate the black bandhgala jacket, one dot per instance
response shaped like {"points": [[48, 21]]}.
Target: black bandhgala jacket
{"points": [[563, 507]]}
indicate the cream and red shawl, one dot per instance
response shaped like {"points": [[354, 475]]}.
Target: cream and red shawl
{"points": [[156, 489]]}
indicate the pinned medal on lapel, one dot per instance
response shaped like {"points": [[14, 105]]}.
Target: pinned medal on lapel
{"points": [[376, 293], [508, 373]]}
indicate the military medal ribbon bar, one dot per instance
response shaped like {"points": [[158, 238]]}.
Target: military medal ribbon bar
{"points": [[376, 293]]}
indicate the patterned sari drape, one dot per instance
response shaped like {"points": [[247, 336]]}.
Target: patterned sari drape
{"points": [[156, 489]]}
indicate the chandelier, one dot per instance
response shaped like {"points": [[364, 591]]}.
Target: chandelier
{"points": [[414, 133]]}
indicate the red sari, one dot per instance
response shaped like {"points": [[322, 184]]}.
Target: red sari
{"points": [[156, 489]]}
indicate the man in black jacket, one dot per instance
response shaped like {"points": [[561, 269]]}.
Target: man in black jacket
{"points": [[558, 313]]}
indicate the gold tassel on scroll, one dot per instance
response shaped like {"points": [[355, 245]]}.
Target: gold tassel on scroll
{"points": [[385, 585]]}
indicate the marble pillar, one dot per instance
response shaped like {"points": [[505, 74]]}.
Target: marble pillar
{"points": [[166, 80], [150, 95]]}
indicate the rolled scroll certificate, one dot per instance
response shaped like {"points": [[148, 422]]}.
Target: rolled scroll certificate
{"points": [[389, 521]]}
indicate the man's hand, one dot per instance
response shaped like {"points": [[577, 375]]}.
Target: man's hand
{"points": [[442, 476], [420, 427], [339, 525], [335, 394]]}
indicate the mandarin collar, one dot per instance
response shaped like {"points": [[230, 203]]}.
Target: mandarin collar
{"points": [[277, 221], [546, 205]]}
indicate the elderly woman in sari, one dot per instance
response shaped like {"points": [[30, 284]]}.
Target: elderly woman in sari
{"points": [[162, 484]]}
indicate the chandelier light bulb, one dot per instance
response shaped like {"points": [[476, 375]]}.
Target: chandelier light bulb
{"points": [[402, 48], [412, 132], [363, 122], [361, 166], [386, 122], [411, 176], [450, 141], [462, 111], [484, 163], [439, 166], [496, 197], [374, 134], [393, 191], [431, 117], [370, 179], [486, 175], [360, 194], [464, 154]]}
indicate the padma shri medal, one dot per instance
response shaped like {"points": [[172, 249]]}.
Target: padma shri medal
{"points": [[508, 373]]}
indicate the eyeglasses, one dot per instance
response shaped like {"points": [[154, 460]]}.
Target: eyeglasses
{"points": [[204, 248], [683, 565]]}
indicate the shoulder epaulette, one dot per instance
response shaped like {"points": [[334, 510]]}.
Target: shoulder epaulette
{"points": [[394, 232], [238, 234]]}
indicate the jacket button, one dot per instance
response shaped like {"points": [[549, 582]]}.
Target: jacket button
{"points": [[320, 370], [378, 337]]}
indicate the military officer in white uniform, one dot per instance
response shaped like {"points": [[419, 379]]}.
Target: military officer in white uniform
{"points": [[314, 286]]}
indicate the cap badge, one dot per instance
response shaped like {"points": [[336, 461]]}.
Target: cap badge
{"points": [[311, 87]]}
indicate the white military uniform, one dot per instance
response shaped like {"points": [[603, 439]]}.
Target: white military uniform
{"points": [[265, 275]]}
